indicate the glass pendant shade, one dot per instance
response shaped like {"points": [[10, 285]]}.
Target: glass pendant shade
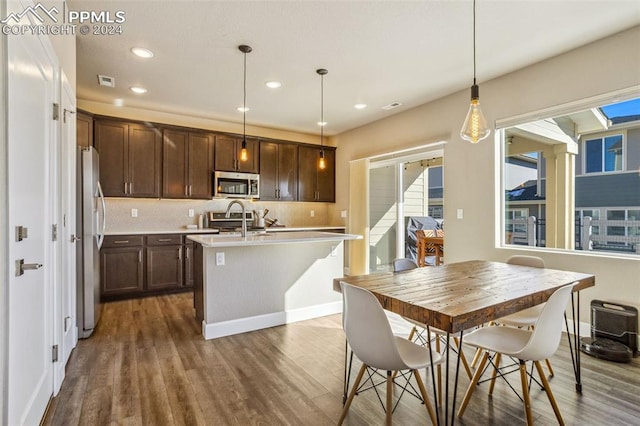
{"points": [[322, 164], [244, 156], [475, 126]]}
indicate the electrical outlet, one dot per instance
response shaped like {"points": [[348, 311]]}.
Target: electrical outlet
{"points": [[220, 258], [191, 213], [312, 213], [134, 212], [343, 214], [460, 214]]}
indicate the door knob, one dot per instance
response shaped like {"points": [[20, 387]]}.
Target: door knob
{"points": [[74, 238], [21, 267]]}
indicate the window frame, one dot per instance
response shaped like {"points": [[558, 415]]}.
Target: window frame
{"points": [[602, 137]]}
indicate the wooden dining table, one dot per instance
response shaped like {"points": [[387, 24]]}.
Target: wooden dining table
{"points": [[459, 296]]}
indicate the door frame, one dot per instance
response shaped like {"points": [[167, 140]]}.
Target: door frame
{"points": [[4, 211]]}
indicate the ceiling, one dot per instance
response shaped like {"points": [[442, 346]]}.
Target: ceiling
{"points": [[376, 52]]}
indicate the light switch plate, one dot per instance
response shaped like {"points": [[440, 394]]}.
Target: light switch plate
{"points": [[460, 214], [220, 258], [343, 213]]}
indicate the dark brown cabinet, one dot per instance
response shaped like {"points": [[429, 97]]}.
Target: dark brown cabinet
{"points": [[315, 184], [84, 129], [189, 264], [278, 171], [130, 158], [121, 265], [164, 262], [227, 154], [187, 164]]}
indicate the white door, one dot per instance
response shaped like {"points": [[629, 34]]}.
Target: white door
{"points": [[31, 93], [65, 317]]}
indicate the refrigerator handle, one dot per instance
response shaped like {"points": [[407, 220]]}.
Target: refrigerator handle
{"points": [[104, 216]]}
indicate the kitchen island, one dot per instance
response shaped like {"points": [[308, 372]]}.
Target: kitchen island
{"points": [[260, 281]]}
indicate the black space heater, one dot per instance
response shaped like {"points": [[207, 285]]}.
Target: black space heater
{"points": [[614, 332]]}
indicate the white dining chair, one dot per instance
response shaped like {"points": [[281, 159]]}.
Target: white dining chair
{"points": [[372, 341], [526, 318], [524, 345]]}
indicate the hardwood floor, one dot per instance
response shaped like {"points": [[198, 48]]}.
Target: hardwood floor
{"points": [[147, 364]]}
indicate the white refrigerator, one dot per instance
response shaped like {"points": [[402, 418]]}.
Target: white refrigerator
{"points": [[91, 222]]}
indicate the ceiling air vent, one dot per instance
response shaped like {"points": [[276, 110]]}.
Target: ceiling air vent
{"points": [[392, 105], [105, 80]]}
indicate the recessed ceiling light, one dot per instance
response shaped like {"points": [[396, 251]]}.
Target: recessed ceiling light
{"points": [[322, 123], [141, 52], [273, 84], [243, 109], [138, 90], [360, 106]]}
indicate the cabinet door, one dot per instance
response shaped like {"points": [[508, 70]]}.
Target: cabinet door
{"points": [[200, 153], [188, 266], [145, 148], [252, 165], [225, 158], [174, 165], [326, 183], [121, 270], [269, 183], [287, 171], [111, 141], [84, 129], [307, 173], [164, 267]]}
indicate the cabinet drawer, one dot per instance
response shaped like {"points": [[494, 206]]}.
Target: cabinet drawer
{"points": [[122, 240], [164, 240]]}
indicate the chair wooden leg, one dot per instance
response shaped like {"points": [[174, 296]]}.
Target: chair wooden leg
{"points": [[463, 358], [547, 389], [389, 407], [413, 332], [425, 397], [495, 372], [476, 358], [549, 367], [473, 384], [352, 393], [525, 392]]}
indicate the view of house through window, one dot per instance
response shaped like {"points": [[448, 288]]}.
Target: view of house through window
{"points": [[420, 202], [573, 181]]}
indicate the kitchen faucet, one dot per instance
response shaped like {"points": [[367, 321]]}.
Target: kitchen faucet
{"points": [[244, 214]]}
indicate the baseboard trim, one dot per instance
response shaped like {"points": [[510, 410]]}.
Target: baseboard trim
{"points": [[258, 322]]}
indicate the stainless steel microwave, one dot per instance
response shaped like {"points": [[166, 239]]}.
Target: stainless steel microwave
{"points": [[236, 185]]}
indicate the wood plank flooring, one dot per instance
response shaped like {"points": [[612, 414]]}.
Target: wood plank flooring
{"points": [[147, 364]]}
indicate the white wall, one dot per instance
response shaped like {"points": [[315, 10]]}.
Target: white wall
{"points": [[472, 171]]}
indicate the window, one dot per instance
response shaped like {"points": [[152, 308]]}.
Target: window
{"points": [[603, 154], [603, 141]]}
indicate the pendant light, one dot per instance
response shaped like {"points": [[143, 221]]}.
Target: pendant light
{"points": [[322, 164], [244, 156], [475, 126]]}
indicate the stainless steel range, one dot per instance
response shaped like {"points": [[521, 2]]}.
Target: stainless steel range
{"points": [[231, 224]]}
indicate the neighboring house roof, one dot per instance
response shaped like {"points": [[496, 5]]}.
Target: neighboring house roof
{"points": [[625, 119], [524, 192]]}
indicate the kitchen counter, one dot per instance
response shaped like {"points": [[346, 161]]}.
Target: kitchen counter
{"points": [[271, 238], [213, 231], [261, 281]]}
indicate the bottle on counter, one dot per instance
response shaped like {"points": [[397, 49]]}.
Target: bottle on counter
{"points": [[205, 221], [200, 221]]}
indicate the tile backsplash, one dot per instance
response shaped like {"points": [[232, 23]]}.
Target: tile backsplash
{"points": [[166, 215]]}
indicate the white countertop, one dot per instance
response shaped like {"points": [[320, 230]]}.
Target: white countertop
{"points": [[271, 238], [213, 231]]}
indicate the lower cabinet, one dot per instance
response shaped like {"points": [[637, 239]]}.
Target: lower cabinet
{"points": [[140, 265]]}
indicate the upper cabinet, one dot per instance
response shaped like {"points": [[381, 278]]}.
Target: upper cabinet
{"points": [[315, 184], [130, 158], [278, 171], [187, 164], [227, 154], [84, 129]]}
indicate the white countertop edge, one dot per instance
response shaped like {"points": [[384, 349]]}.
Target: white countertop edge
{"points": [[211, 231], [273, 238]]}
